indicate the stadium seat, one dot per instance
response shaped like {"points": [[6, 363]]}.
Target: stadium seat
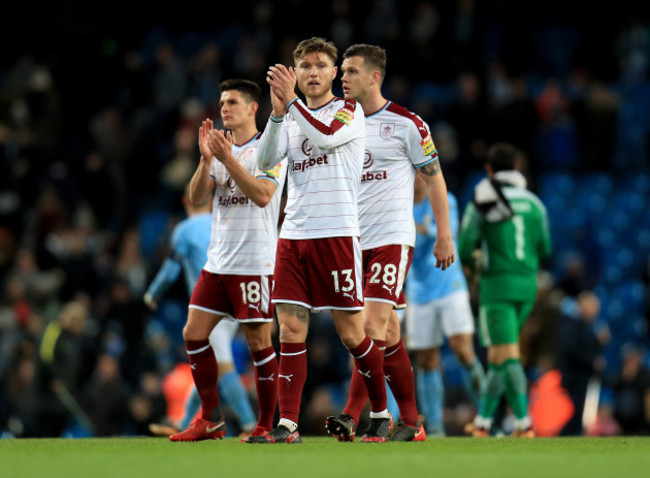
{"points": [[556, 183], [595, 182]]}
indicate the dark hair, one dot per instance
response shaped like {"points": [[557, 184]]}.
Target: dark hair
{"points": [[504, 157], [248, 88], [315, 45], [373, 55]]}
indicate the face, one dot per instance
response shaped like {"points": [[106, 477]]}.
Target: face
{"points": [[315, 73], [356, 79], [235, 109]]}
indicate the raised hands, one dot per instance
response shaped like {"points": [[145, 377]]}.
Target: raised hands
{"points": [[283, 87], [204, 131], [220, 143], [214, 143]]}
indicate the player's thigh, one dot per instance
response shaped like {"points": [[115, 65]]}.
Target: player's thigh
{"points": [[250, 296], [291, 278], [498, 324], [423, 327], [384, 272], [524, 309], [334, 269], [456, 314], [210, 295]]}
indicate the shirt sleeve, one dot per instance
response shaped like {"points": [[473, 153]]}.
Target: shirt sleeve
{"points": [[420, 147], [341, 126], [273, 146], [276, 174]]}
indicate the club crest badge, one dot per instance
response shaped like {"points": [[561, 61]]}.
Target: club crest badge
{"points": [[386, 130]]}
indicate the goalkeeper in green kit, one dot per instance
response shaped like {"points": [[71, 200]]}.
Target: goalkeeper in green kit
{"points": [[509, 225]]}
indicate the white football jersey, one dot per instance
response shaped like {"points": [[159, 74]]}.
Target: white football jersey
{"points": [[325, 150], [244, 235], [397, 142]]}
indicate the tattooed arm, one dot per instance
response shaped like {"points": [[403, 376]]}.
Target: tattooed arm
{"points": [[444, 246]]}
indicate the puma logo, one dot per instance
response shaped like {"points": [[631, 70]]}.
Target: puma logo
{"points": [[269, 378], [193, 366], [389, 289], [387, 377], [346, 294], [212, 429], [365, 374], [254, 306], [287, 377]]}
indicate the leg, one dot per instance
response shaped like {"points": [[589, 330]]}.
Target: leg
{"points": [[399, 373], [500, 332], [266, 372], [430, 390], [294, 325], [375, 318], [368, 360], [230, 385], [473, 376], [205, 372]]}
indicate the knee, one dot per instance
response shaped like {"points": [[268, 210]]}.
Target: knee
{"points": [[428, 359], [191, 333], [350, 339], [291, 332]]}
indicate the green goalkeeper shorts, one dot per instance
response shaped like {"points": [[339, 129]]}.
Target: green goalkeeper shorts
{"points": [[501, 322]]}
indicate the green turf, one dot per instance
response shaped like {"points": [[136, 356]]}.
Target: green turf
{"points": [[623, 457]]}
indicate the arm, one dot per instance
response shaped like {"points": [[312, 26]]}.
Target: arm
{"points": [[443, 249], [165, 277], [545, 239], [273, 144], [170, 270], [347, 123], [470, 234], [202, 185], [259, 190]]}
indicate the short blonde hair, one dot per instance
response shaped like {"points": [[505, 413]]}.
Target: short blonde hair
{"points": [[315, 45]]}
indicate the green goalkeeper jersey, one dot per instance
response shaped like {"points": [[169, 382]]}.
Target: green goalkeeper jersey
{"points": [[511, 245]]}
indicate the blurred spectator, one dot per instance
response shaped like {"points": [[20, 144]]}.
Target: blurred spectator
{"points": [[106, 398], [575, 279], [60, 360], [579, 351], [632, 393]]}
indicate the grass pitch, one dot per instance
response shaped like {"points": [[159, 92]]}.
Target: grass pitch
{"points": [[624, 457]]}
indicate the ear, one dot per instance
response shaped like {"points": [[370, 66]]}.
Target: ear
{"points": [[336, 70], [376, 77], [254, 107]]}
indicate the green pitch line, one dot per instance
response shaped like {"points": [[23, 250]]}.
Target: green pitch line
{"points": [[627, 457]]}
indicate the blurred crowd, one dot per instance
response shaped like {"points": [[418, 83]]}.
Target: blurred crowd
{"points": [[98, 133]]}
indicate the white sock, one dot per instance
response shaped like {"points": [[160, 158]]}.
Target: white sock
{"points": [[383, 414], [288, 424]]}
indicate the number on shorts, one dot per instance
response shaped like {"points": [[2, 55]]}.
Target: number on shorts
{"points": [[390, 273], [347, 277], [250, 292]]}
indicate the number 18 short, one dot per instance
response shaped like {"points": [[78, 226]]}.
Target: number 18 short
{"points": [[245, 298]]}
